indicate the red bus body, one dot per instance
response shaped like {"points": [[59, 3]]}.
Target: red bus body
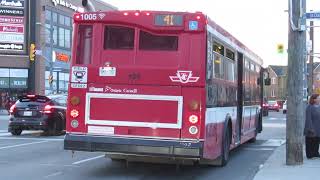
{"points": [[172, 92]]}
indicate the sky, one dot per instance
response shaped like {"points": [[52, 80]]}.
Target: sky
{"points": [[259, 24]]}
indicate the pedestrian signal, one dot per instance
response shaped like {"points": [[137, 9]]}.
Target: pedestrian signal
{"points": [[32, 53], [280, 48], [50, 79]]}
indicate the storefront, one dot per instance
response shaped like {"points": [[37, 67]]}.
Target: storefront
{"points": [[13, 83]]}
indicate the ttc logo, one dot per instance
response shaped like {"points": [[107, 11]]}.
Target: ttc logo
{"points": [[184, 77]]}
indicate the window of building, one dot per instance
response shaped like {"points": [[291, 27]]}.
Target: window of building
{"points": [[61, 19], [118, 37], [273, 93], [61, 37], [54, 17], [55, 35], [273, 80], [48, 15], [67, 21], [150, 41], [67, 36]]}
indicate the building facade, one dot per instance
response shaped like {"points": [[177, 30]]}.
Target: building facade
{"points": [[278, 88], [54, 33], [53, 40]]}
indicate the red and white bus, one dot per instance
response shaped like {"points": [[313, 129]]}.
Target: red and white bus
{"points": [[151, 83]]}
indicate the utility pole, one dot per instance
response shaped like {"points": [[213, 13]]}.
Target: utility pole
{"points": [[310, 70], [296, 64]]}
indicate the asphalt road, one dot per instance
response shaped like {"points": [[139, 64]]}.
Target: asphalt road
{"points": [[32, 156]]}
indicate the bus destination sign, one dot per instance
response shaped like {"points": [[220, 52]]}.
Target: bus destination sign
{"points": [[168, 20]]}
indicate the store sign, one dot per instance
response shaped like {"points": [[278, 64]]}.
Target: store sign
{"points": [[67, 5], [12, 3], [11, 46], [13, 28], [62, 57], [11, 20], [11, 12], [4, 82], [18, 82], [10, 37]]}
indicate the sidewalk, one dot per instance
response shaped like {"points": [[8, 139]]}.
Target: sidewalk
{"points": [[3, 112], [276, 169]]}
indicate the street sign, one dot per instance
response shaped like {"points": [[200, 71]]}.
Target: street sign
{"points": [[313, 15]]}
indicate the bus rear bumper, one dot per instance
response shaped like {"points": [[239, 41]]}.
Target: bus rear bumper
{"points": [[139, 146]]}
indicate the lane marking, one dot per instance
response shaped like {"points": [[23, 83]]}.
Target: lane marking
{"points": [[89, 159], [54, 174], [274, 125], [2, 131], [6, 133], [258, 149], [18, 138], [58, 165], [24, 144]]}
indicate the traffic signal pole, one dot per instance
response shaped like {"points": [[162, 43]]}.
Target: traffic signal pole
{"points": [[32, 39], [296, 64]]}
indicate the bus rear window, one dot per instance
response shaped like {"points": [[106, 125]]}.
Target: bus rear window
{"points": [[84, 44], [117, 37], [149, 41]]}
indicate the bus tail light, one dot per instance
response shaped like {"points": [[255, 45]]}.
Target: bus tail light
{"points": [[74, 113], [193, 119], [193, 130], [194, 105], [136, 14], [75, 100], [126, 14]]}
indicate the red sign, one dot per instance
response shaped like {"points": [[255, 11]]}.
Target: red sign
{"points": [[62, 57], [11, 29]]}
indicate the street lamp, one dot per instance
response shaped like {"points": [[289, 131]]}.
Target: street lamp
{"points": [[50, 51]]}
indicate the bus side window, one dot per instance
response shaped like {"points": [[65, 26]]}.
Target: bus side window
{"points": [[117, 37], [84, 44]]}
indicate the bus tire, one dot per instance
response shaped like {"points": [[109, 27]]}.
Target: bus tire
{"points": [[225, 153]]}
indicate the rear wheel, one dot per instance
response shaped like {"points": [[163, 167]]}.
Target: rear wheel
{"points": [[226, 147], [16, 132]]}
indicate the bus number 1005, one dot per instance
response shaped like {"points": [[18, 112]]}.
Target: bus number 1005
{"points": [[88, 16]]}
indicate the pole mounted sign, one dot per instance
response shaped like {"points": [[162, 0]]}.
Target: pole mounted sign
{"points": [[312, 15]]}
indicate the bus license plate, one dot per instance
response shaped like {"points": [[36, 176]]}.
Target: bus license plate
{"points": [[107, 71], [27, 113]]}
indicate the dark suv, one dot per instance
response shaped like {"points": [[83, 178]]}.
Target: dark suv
{"points": [[36, 112]]}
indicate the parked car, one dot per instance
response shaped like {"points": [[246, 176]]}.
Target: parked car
{"points": [[273, 105], [284, 107], [36, 112], [265, 109]]}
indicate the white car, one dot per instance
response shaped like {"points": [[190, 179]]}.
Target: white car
{"points": [[284, 107]]}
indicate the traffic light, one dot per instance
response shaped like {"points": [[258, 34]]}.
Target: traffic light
{"points": [[280, 48], [32, 54], [50, 79]]}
